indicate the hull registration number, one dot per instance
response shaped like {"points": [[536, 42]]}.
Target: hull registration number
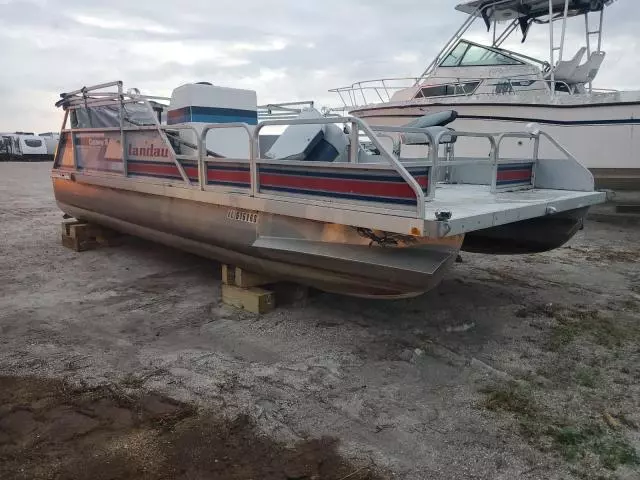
{"points": [[241, 216]]}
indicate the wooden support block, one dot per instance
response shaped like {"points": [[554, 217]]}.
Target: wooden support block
{"points": [[255, 300], [81, 236], [83, 230], [245, 279], [79, 244], [228, 275], [66, 226]]}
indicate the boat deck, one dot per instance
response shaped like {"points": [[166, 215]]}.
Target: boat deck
{"points": [[475, 207]]}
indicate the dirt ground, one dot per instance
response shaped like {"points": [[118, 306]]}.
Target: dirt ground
{"points": [[122, 363], [55, 430]]}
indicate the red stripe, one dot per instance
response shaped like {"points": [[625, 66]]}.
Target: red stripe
{"points": [[508, 175], [228, 176], [169, 170], [192, 172], [423, 180], [383, 189]]}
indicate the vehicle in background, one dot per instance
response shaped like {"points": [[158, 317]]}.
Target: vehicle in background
{"points": [[26, 147], [51, 140]]}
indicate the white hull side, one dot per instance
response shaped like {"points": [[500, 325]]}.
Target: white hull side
{"points": [[599, 136]]}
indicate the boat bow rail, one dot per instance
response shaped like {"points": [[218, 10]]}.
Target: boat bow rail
{"points": [[382, 91], [418, 189]]}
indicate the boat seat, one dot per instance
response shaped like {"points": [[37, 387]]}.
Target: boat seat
{"points": [[434, 124], [439, 119], [587, 72], [564, 69]]}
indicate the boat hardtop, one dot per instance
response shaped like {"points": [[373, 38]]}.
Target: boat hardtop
{"points": [[467, 68]]}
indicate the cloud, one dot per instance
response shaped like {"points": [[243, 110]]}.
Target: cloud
{"points": [[284, 49]]}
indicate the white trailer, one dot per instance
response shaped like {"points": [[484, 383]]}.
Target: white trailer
{"points": [[26, 147]]}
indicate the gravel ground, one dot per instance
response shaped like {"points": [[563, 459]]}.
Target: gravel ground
{"points": [[521, 367]]}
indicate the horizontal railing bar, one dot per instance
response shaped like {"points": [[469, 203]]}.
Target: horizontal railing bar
{"points": [[225, 160], [117, 83]]}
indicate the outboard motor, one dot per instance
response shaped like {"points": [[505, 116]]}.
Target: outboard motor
{"points": [[198, 104], [313, 143]]}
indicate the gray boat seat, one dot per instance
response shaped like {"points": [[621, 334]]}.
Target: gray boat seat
{"points": [[439, 119], [434, 124], [587, 72], [564, 69], [420, 139]]}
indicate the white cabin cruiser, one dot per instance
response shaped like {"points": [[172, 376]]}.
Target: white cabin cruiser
{"points": [[310, 205], [498, 90]]}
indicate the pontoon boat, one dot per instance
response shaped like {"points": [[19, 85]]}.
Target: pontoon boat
{"points": [[310, 204]]}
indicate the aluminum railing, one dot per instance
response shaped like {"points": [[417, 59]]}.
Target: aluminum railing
{"points": [[358, 130], [358, 127], [382, 90], [280, 111], [161, 129]]}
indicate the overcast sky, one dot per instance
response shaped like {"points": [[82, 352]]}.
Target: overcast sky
{"points": [[284, 49]]}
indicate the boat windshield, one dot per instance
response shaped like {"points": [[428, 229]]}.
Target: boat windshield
{"points": [[467, 54]]}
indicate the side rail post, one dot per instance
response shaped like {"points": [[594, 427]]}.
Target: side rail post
{"points": [[514, 175], [161, 130], [205, 160], [129, 133], [177, 158], [493, 150], [395, 163], [56, 155]]}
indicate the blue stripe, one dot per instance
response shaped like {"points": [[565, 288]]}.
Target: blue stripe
{"points": [[155, 175], [513, 182], [238, 112], [212, 115], [622, 121], [341, 195], [618, 121], [224, 119]]}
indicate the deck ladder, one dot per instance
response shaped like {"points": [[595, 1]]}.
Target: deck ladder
{"points": [[591, 33], [552, 43]]}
